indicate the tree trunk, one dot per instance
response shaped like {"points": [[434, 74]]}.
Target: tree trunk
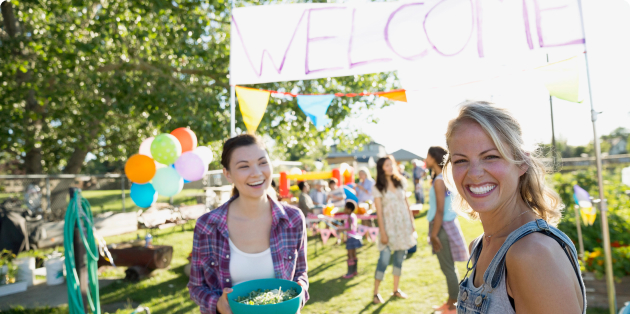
{"points": [[75, 163], [33, 127]]}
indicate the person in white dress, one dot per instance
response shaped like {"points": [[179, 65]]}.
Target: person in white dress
{"points": [[395, 222]]}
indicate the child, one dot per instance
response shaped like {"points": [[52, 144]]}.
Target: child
{"points": [[354, 239]]}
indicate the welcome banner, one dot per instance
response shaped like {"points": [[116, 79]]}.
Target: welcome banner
{"points": [[307, 41]]}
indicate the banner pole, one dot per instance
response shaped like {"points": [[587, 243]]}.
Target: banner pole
{"points": [[232, 110], [603, 208], [232, 91]]}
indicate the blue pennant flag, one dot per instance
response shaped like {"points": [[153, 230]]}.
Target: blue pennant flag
{"points": [[315, 107]]}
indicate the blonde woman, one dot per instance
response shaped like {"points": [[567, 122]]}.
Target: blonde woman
{"points": [[521, 263]]}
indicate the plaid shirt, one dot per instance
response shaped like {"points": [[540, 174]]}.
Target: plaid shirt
{"points": [[210, 265]]}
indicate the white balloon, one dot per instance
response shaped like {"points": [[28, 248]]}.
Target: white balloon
{"points": [[295, 170], [205, 153], [145, 147]]}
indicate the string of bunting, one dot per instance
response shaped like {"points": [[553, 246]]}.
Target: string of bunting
{"points": [[562, 80]]}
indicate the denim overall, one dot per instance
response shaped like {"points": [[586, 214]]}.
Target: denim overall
{"points": [[470, 301]]}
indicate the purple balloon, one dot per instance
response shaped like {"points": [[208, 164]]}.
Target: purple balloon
{"points": [[190, 166]]}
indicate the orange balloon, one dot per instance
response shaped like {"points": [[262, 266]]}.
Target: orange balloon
{"points": [[186, 137], [140, 168]]}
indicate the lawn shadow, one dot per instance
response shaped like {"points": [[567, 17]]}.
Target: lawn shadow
{"points": [[380, 307], [330, 288]]}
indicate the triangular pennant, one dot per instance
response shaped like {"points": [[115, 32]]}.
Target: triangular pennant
{"points": [[397, 95], [334, 233], [315, 107], [362, 230], [373, 232], [562, 79], [253, 103], [325, 233], [583, 200]]}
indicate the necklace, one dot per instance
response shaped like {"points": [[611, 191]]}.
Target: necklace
{"points": [[489, 237]]}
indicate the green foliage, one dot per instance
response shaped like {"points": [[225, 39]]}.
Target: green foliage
{"points": [[595, 262], [618, 206], [93, 76]]}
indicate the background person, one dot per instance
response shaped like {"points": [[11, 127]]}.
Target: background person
{"points": [[354, 239], [521, 263], [365, 185], [249, 237], [445, 234], [318, 194], [336, 196], [395, 223], [305, 202], [418, 180]]}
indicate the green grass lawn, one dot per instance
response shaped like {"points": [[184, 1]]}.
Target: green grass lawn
{"points": [[422, 279]]}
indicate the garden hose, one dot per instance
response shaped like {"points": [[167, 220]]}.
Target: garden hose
{"points": [[79, 215]]}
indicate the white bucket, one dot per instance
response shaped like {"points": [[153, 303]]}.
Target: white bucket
{"points": [[26, 268], [54, 271]]}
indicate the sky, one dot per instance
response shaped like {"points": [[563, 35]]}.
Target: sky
{"points": [[433, 101]]}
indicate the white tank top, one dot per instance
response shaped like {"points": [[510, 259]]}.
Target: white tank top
{"points": [[246, 266]]}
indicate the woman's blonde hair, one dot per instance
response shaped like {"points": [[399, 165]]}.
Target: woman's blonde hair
{"points": [[506, 134]]}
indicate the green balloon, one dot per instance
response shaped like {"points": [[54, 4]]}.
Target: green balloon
{"points": [[166, 149], [167, 182]]}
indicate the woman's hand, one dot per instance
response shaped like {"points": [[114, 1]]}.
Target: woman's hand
{"points": [[435, 242], [223, 306], [384, 238]]}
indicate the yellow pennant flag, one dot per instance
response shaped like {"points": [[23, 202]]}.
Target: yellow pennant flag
{"points": [[397, 95], [562, 79], [253, 103]]}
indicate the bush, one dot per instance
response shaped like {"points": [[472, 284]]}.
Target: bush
{"points": [[618, 206]]}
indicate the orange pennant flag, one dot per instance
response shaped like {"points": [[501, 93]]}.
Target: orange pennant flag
{"points": [[396, 95]]}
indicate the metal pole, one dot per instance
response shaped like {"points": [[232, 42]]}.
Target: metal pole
{"points": [[603, 208], [578, 225], [122, 189], [554, 152], [48, 205], [232, 111]]}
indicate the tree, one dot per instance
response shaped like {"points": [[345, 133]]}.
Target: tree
{"points": [[98, 76]]}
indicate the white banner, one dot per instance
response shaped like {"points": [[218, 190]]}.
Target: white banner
{"points": [[306, 41]]}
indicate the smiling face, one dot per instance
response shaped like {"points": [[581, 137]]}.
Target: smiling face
{"points": [[362, 175], [484, 178], [250, 171]]}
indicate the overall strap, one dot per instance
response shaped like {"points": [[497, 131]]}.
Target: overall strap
{"points": [[496, 269], [474, 256]]}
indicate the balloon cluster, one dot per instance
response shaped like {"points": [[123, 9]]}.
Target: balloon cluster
{"points": [[164, 163]]}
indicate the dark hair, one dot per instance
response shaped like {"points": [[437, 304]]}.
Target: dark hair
{"points": [[437, 153], [381, 177], [235, 142], [350, 205], [333, 180], [301, 185]]}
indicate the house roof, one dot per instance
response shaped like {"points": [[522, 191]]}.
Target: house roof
{"points": [[405, 155]]}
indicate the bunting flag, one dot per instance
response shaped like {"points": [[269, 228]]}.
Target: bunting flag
{"points": [[562, 79], [583, 201], [362, 230], [315, 107], [395, 95], [325, 233], [253, 103], [373, 233]]}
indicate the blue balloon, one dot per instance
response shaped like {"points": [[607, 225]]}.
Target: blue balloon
{"points": [[350, 193], [143, 195]]}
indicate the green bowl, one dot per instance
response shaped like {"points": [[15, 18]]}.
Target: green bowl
{"points": [[244, 288]]}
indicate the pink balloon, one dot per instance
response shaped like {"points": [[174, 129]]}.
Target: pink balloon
{"points": [[145, 147], [190, 166]]}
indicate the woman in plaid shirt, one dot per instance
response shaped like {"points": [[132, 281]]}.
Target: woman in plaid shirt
{"points": [[250, 237]]}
